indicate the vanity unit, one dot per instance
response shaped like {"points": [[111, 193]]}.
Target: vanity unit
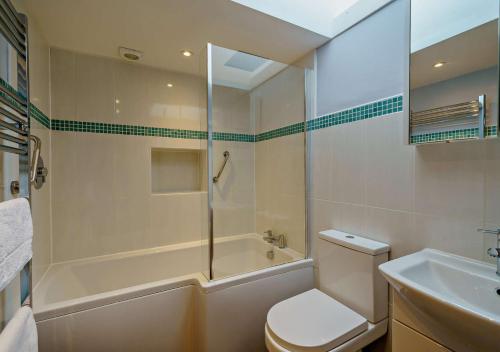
{"points": [[443, 302]]}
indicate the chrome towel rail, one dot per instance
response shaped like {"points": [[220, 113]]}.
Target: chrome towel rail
{"points": [[454, 115], [226, 158], [471, 109], [14, 122]]}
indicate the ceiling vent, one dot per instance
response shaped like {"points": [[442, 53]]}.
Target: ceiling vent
{"points": [[245, 62], [130, 54]]}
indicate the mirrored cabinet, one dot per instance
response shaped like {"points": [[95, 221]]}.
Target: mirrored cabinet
{"points": [[453, 70]]}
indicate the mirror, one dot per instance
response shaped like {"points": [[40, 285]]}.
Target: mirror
{"points": [[453, 70]]}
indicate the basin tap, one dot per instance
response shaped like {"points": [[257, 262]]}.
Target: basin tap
{"points": [[494, 252]]}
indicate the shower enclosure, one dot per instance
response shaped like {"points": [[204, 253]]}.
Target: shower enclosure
{"points": [[185, 179], [256, 151]]}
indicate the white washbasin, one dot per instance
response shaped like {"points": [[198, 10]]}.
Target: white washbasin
{"points": [[459, 297]]}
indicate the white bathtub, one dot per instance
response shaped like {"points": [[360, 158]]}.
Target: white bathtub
{"points": [[86, 304]]}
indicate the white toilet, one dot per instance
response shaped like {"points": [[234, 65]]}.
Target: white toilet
{"points": [[350, 309]]}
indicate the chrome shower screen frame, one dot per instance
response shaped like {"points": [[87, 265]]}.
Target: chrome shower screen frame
{"points": [[308, 113], [210, 171]]}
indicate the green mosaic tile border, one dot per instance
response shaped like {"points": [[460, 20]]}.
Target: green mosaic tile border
{"points": [[39, 116], [374, 109], [280, 132], [133, 130], [468, 133], [362, 112], [235, 137]]}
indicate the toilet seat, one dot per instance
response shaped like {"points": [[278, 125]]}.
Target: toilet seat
{"points": [[312, 321]]}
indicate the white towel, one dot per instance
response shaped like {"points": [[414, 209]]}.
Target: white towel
{"points": [[20, 333], [16, 234]]}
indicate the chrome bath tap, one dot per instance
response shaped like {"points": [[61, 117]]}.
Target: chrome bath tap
{"points": [[278, 240], [494, 252]]}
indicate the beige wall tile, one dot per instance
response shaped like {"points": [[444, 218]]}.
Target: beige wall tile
{"points": [[95, 98], [280, 100], [349, 155], [321, 165], [103, 201], [63, 84], [389, 164], [432, 196], [449, 180], [113, 172]]}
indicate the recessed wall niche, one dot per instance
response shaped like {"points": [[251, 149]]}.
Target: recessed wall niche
{"points": [[176, 170]]}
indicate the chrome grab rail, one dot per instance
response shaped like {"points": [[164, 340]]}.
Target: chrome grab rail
{"points": [[226, 158], [36, 156]]}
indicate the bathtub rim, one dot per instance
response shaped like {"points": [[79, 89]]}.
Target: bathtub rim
{"points": [[62, 308], [198, 279]]}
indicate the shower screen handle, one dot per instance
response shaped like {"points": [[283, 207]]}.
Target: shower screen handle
{"points": [[226, 158]]}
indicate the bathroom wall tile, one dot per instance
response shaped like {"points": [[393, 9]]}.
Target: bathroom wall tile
{"points": [[81, 222], [449, 180], [234, 194], [349, 155], [453, 235], [63, 84], [321, 165], [181, 106], [288, 187], [39, 68], [280, 188], [351, 218], [139, 217], [323, 215], [492, 182], [281, 98], [131, 166], [232, 110], [95, 98], [389, 164], [176, 218], [395, 228], [131, 89]]}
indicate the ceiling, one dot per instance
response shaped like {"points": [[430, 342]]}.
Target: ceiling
{"points": [[240, 73], [318, 18], [433, 21], [470, 51], [163, 28]]}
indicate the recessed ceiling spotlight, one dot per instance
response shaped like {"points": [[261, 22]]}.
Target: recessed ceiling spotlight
{"points": [[439, 64], [186, 53], [170, 85], [117, 101], [130, 54]]}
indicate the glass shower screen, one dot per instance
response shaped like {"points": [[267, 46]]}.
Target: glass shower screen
{"points": [[256, 162]]}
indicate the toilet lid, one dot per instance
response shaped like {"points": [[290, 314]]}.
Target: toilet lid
{"points": [[313, 321]]}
